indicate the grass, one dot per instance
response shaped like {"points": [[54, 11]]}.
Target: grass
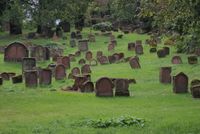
{"points": [[42, 111]]}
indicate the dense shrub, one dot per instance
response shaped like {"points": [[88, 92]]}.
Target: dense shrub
{"points": [[106, 26]]}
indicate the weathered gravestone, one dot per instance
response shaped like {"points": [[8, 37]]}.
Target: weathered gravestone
{"points": [[45, 77], [131, 46], [134, 63], [165, 75], [153, 50], [104, 87], [73, 35], [111, 47], [139, 49], [40, 53], [87, 87], [161, 53], [111, 59], [75, 71], [5, 76], [15, 52], [85, 69], [81, 62], [192, 60], [1, 81], [28, 64], [65, 61], [99, 54], [60, 72], [17, 79], [83, 45], [73, 43], [195, 88], [176, 60], [180, 83], [31, 78], [121, 87], [103, 60], [88, 55], [79, 81]]}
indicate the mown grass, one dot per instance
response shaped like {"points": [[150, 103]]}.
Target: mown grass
{"points": [[40, 110]]}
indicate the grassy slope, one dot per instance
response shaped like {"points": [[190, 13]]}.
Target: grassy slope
{"points": [[41, 111]]}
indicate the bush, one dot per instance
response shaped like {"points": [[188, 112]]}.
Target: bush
{"points": [[105, 26]]}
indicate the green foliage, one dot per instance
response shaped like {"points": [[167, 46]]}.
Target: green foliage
{"points": [[103, 26], [123, 121]]}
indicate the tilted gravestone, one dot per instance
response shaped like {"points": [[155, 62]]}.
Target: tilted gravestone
{"points": [[88, 55], [87, 87], [28, 64], [139, 49], [122, 87], [134, 63], [165, 75], [195, 88], [176, 60], [81, 62], [15, 52], [111, 59], [103, 60], [83, 45], [85, 69], [131, 46], [75, 71], [104, 87], [45, 77], [31, 78], [72, 43], [17, 79], [180, 83], [60, 72], [192, 60]]}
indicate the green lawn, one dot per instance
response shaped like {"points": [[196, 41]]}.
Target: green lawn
{"points": [[43, 111]]}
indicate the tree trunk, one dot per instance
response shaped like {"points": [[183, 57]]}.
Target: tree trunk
{"points": [[15, 29]]}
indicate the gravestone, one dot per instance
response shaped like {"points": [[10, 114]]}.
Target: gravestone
{"points": [[83, 45], [139, 49], [88, 56], [87, 87], [93, 62], [40, 53], [111, 59], [104, 87], [176, 60], [65, 61], [73, 35], [111, 47], [134, 63], [1, 81], [192, 60], [167, 50], [99, 54], [73, 43], [180, 83], [153, 50], [60, 72], [17, 79], [76, 71], [103, 60], [121, 87], [79, 81], [45, 77], [81, 62], [5, 76], [65, 26], [195, 88], [165, 75], [197, 51], [85, 69], [28, 64], [131, 46], [15, 52], [31, 78], [161, 53]]}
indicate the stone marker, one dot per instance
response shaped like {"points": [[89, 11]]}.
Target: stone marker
{"points": [[104, 87], [60, 72], [75, 71], [31, 78], [121, 87], [45, 77], [17, 79], [192, 60], [87, 87], [40, 53], [176, 60], [81, 62], [114, 42], [180, 83], [161, 53], [28, 64], [139, 49], [72, 43], [131, 46], [134, 63], [15, 52], [103, 60], [165, 75], [5, 76], [85, 69], [83, 45], [79, 81], [88, 55], [195, 88], [167, 50], [111, 59]]}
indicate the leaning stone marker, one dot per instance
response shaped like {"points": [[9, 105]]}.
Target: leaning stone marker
{"points": [[88, 55], [180, 83], [104, 87], [134, 63], [31, 78], [165, 75]]}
